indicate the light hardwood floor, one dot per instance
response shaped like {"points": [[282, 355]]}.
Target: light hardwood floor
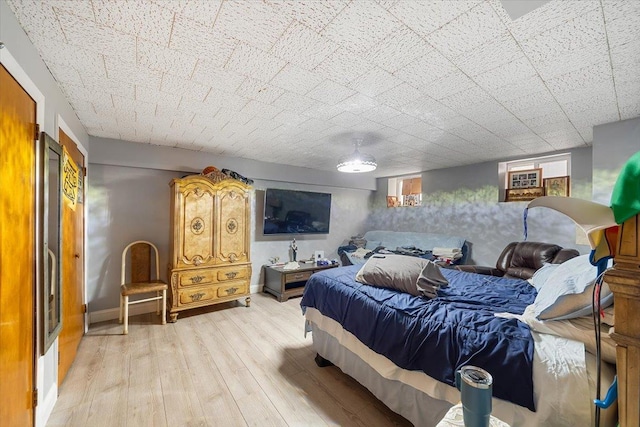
{"points": [[225, 365]]}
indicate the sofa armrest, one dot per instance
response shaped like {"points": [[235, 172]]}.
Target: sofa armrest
{"points": [[478, 269]]}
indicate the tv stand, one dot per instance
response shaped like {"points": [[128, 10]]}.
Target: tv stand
{"points": [[285, 284]]}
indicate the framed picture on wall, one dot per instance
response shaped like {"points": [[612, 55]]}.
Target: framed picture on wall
{"points": [[557, 186], [392, 201], [531, 178], [523, 194]]}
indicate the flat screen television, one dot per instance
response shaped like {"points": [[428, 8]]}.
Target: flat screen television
{"points": [[296, 212]]}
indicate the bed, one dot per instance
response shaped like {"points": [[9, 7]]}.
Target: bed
{"points": [[405, 348]]}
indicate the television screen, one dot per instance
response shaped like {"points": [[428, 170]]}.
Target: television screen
{"points": [[296, 212]]}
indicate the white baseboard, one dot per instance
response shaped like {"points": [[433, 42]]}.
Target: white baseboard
{"points": [[45, 407], [142, 308]]}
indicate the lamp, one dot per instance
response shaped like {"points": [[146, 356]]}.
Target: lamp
{"points": [[357, 162]]}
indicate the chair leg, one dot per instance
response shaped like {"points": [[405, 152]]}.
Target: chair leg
{"points": [[126, 316], [120, 315], [158, 302], [164, 306]]}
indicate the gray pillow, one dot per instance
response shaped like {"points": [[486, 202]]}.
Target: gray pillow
{"points": [[398, 272]]}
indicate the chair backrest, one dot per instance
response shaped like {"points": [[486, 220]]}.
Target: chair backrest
{"points": [[141, 262], [522, 259]]}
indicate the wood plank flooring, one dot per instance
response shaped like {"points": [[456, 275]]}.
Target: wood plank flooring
{"points": [[226, 365]]}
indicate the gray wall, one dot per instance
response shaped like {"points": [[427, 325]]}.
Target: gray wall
{"points": [[613, 144], [463, 201], [132, 203]]}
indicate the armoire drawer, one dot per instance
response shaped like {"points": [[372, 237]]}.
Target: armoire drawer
{"points": [[197, 294], [232, 289], [196, 277], [224, 274]]}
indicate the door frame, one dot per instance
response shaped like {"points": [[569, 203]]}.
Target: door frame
{"points": [[45, 405]]}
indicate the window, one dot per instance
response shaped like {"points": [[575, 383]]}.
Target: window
{"points": [[554, 166], [404, 191]]}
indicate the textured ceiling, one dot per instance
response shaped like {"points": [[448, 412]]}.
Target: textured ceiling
{"points": [[426, 84]]}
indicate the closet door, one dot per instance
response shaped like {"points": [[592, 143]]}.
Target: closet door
{"points": [[72, 272], [17, 249]]}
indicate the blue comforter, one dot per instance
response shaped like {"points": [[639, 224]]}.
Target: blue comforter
{"points": [[440, 335]]}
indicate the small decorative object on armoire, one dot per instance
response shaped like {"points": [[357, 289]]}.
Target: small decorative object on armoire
{"points": [[209, 255]]}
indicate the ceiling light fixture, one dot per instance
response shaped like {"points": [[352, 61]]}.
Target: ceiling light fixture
{"points": [[357, 162]]}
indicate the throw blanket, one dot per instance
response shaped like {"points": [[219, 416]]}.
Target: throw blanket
{"points": [[440, 335]]}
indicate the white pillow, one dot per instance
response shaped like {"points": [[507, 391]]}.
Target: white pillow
{"points": [[568, 290], [541, 276]]}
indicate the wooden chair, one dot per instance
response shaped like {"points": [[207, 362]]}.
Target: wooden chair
{"points": [[140, 280]]}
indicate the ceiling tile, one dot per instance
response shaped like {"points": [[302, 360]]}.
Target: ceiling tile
{"points": [[592, 75], [568, 43], [255, 63], [400, 121], [159, 58], [302, 46], [330, 92], [374, 82], [427, 109], [141, 19], [293, 102], [448, 85], [357, 104], [221, 99], [98, 38], [201, 40], [398, 49], [490, 56], [473, 95], [425, 17], [380, 113], [259, 90], [296, 79], [152, 95], [513, 72], [399, 95], [545, 17], [622, 20], [361, 26], [322, 111], [203, 12], [314, 14], [427, 68], [470, 30], [343, 66], [253, 22], [188, 89], [210, 74], [131, 73]]}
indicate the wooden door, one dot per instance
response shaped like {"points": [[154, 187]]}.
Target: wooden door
{"points": [[17, 249], [72, 260]]}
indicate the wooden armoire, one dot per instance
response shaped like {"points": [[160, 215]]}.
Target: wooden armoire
{"points": [[210, 237]]}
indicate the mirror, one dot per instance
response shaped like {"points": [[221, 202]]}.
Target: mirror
{"points": [[50, 301]]}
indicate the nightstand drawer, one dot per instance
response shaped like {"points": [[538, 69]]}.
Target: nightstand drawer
{"points": [[233, 273], [297, 277]]}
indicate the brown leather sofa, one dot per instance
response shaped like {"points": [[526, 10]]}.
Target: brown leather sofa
{"points": [[522, 259]]}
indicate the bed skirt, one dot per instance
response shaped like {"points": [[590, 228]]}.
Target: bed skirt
{"points": [[424, 401]]}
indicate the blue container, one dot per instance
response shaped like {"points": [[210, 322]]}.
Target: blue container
{"points": [[476, 386]]}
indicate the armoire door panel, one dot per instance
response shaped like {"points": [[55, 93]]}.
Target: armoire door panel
{"points": [[232, 236], [197, 226]]}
